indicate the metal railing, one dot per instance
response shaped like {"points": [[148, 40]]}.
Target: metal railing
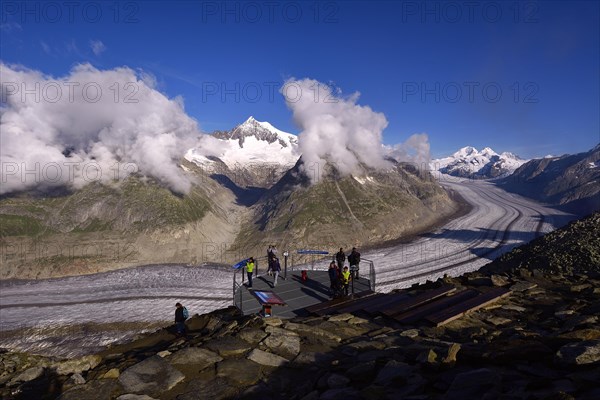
{"points": [[296, 262]]}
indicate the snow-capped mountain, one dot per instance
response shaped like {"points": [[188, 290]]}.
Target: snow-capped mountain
{"points": [[253, 142], [471, 163], [253, 153]]}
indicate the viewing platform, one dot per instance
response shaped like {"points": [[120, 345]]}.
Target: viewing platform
{"points": [[297, 294]]}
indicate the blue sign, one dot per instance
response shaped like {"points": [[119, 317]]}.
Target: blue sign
{"points": [[241, 264], [322, 252]]}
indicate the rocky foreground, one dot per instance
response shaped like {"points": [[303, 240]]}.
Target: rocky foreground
{"points": [[541, 342]]}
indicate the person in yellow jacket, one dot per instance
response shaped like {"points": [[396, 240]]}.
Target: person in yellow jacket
{"points": [[250, 270], [346, 280]]}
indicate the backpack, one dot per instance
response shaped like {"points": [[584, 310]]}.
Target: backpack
{"points": [[186, 314]]}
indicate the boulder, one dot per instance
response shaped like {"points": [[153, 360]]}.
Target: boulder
{"points": [[112, 373], [335, 381], [265, 358], [103, 389], [242, 372], [199, 358], [135, 397], [151, 376], [580, 353], [252, 336], [392, 372], [30, 374], [77, 365], [218, 388], [283, 342], [228, 346]]}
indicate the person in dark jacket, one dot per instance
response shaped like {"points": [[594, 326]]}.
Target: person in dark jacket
{"points": [[354, 261], [179, 319], [276, 270], [334, 277], [340, 257]]}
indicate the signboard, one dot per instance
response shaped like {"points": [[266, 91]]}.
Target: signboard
{"points": [[268, 297], [322, 252], [241, 264]]}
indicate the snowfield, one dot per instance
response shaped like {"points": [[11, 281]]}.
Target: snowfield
{"points": [[79, 315]]}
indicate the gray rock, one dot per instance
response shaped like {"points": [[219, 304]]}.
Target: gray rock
{"points": [[393, 371], [340, 394], [283, 342], [77, 365], [341, 317], [265, 358], [151, 376], [29, 374], [135, 397], [411, 333], [498, 280], [580, 353], [451, 354], [228, 346], [76, 379], [522, 286], [335, 381], [315, 358], [201, 358], [362, 372], [252, 336], [103, 389], [367, 345], [314, 395], [473, 384], [218, 388], [242, 372], [427, 357], [313, 331]]}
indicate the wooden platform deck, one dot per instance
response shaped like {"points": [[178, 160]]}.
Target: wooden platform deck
{"points": [[434, 306], [298, 295]]}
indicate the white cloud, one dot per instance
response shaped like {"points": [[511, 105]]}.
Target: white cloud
{"points": [[414, 150], [334, 128], [97, 47], [71, 122]]}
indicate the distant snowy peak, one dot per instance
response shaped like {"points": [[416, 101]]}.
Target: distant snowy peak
{"points": [[262, 131], [251, 143], [469, 162]]}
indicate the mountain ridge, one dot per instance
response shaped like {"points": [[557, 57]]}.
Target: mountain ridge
{"points": [[468, 162]]}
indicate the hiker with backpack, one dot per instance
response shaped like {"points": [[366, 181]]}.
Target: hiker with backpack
{"points": [[340, 257], [181, 314], [354, 261]]}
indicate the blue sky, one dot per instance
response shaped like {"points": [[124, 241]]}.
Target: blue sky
{"points": [[515, 76]]}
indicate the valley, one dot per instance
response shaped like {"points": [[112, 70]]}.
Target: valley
{"points": [[99, 309]]}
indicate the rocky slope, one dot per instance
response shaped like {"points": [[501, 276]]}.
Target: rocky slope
{"points": [[335, 210], [541, 342], [100, 227], [571, 181]]}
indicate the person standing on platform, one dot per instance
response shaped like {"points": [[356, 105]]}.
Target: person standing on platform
{"points": [[354, 261], [276, 270], [250, 270], [340, 257], [346, 280]]}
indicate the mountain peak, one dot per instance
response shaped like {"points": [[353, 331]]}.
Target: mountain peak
{"points": [[249, 121]]}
